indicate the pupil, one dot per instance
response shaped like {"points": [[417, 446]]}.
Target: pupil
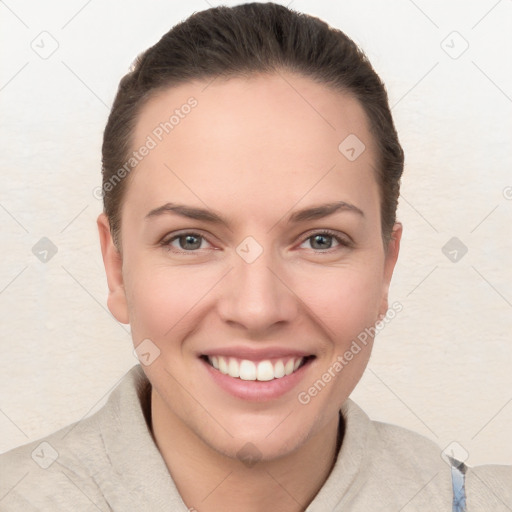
{"points": [[322, 242]]}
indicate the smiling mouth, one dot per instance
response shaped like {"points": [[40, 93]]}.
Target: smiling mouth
{"points": [[265, 370]]}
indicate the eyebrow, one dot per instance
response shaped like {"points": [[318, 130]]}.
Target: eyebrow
{"points": [[187, 211], [202, 214], [318, 212]]}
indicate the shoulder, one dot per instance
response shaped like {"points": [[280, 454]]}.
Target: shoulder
{"points": [[406, 449], [407, 470], [393, 446], [53, 472], [65, 470], [384, 464], [489, 488], [486, 487]]}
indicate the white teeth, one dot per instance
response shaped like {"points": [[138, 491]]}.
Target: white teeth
{"points": [[223, 365], [279, 370], [265, 371], [249, 370], [233, 368], [288, 367]]}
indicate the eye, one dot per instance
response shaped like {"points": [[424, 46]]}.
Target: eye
{"points": [[186, 242], [324, 240]]}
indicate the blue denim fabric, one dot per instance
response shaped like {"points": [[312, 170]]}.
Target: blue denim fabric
{"points": [[458, 481]]}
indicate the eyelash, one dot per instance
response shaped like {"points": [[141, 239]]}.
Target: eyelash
{"points": [[166, 242], [342, 241]]}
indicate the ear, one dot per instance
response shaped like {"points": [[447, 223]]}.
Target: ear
{"points": [[391, 257], [113, 262]]}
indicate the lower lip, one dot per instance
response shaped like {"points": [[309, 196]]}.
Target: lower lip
{"points": [[255, 390]]}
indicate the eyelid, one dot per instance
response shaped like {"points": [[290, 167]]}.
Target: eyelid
{"points": [[171, 237], [343, 240]]}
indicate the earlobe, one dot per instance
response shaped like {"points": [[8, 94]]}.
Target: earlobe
{"points": [[391, 257], [113, 262]]}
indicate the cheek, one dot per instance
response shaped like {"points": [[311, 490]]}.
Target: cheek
{"points": [[346, 306], [161, 299], [345, 300]]}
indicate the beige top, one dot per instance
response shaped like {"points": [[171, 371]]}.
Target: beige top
{"points": [[109, 462]]}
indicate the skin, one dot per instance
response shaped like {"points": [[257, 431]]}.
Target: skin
{"points": [[254, 150]]}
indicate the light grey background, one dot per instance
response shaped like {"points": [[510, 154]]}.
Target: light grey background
{"points": [[441, 367]]}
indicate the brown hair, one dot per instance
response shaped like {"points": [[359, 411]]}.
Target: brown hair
{"points": [[240, 41]]}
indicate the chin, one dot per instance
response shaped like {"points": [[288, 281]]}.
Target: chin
{"points": [[252, 449], [270, 439]]}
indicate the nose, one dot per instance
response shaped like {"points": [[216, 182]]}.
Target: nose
{"points": [[256, 297]]}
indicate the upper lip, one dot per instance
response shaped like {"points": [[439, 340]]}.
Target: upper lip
{"points": [[255, 354]]}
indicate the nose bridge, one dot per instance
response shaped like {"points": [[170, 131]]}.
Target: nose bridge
{"points": [[255, 296]]}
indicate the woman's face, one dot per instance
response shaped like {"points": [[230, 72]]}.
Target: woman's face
{"points": [[251, 242]]}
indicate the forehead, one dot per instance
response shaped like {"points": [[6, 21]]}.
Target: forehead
{"points": [[250, 137]]}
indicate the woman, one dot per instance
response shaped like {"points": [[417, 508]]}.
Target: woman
{"points": [[251, 173]]}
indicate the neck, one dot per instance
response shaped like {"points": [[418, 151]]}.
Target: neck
{"points": [[210, 481]]}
